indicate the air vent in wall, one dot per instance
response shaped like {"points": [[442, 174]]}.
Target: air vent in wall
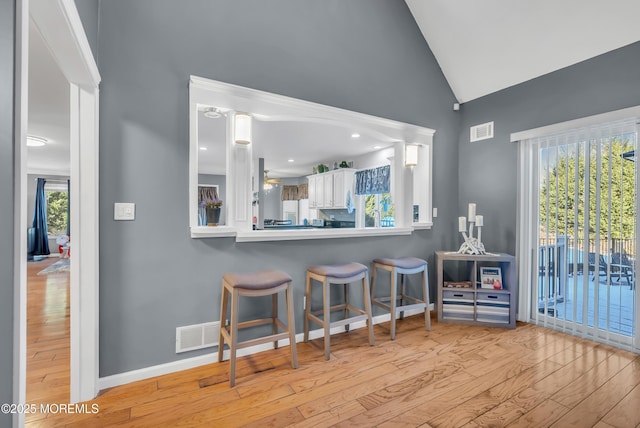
{"points": [[482, 132], [197, 336]]}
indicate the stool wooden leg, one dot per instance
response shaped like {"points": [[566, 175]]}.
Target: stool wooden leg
{"points": [[403, 278], [425, 291], [367, 306], [373, 280], [392, 304], [291, 326], [346, 305], [326, 301], [234, 336], [223, 321], [307, 308], [274, 317]]}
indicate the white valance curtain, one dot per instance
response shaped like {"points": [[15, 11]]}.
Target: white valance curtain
{"points": [[373, 181]]}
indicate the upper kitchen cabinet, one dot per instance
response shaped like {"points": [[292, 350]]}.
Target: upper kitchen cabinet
{"points": [[329, 189]]}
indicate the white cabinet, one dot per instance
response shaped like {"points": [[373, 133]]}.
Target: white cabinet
{"points": [[342, 182], [329, 189], [316, 191]]}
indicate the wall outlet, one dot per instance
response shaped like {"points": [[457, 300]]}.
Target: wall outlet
{"points": [[124, 211]]}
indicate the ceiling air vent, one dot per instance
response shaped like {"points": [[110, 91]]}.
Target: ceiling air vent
{"points": [[482, 132]]}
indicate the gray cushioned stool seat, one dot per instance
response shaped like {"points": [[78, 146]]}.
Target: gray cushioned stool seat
{"points": [[402, 262], [257, 280], [345, 270]]}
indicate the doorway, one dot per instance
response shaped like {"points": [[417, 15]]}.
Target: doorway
{"points": [[581, 231], [48, 173], [59, 25]]}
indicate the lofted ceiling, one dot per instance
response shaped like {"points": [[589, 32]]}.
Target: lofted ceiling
{"points": [[483, 46]]}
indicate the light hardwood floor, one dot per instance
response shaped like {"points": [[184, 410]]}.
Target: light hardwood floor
{"points": [[452, 376]]}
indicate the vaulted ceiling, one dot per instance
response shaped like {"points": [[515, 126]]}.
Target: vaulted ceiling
{"points": [[484, 46]]}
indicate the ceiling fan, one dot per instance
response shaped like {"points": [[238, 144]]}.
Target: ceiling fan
{"points": [[270, 182]]}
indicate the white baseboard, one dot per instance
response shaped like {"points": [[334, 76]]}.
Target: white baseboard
{"points": [[190, 363]]}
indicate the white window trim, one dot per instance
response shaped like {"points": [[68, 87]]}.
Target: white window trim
{"points": [[204, 92]]}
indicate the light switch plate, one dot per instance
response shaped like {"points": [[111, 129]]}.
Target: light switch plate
{"points": [[435, 212], [124, 211]]}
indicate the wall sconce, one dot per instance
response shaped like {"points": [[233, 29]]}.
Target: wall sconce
{"points": [[411, 155], [242, 128]]}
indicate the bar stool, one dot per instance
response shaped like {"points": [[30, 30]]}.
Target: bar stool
{"points": [[264, 283], [337, 274], [403, 266]]}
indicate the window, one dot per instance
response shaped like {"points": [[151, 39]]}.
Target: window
{"points": [[379, 211], [57, 208]]}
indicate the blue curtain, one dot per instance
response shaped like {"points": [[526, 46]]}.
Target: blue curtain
{"points": [[41, 247], [374, 180]]}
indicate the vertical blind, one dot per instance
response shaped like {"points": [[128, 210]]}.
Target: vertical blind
{"points": [[585, 195]]}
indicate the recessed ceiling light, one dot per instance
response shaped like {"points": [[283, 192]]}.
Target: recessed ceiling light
{"points": [[377, 147], [203, 148], [33, 141], [355, 135], [290, 160]]}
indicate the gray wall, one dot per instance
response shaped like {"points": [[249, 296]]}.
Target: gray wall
{"points": [[361, 55], [7, 12], [89, 12], [488, 168]]}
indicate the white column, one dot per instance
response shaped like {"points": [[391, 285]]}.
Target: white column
{"points": [[239, 172], [402, 188]]}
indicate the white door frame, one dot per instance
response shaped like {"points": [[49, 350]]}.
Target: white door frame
{"points": [[59, 23]]}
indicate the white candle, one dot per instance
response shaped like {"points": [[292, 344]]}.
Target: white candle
{"points": [[479, 221], [462, 224], [472, 212]]}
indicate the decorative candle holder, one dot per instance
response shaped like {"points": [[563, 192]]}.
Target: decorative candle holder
{"points": [[471, 245]]}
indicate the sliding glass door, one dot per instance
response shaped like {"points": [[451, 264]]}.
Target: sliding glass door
{"points": [[582, 226]]}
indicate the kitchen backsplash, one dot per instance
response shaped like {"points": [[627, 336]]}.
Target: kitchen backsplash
{"points": [[341, 215]]}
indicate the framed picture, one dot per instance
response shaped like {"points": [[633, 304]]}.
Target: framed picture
{"points": [[491, 277]]}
